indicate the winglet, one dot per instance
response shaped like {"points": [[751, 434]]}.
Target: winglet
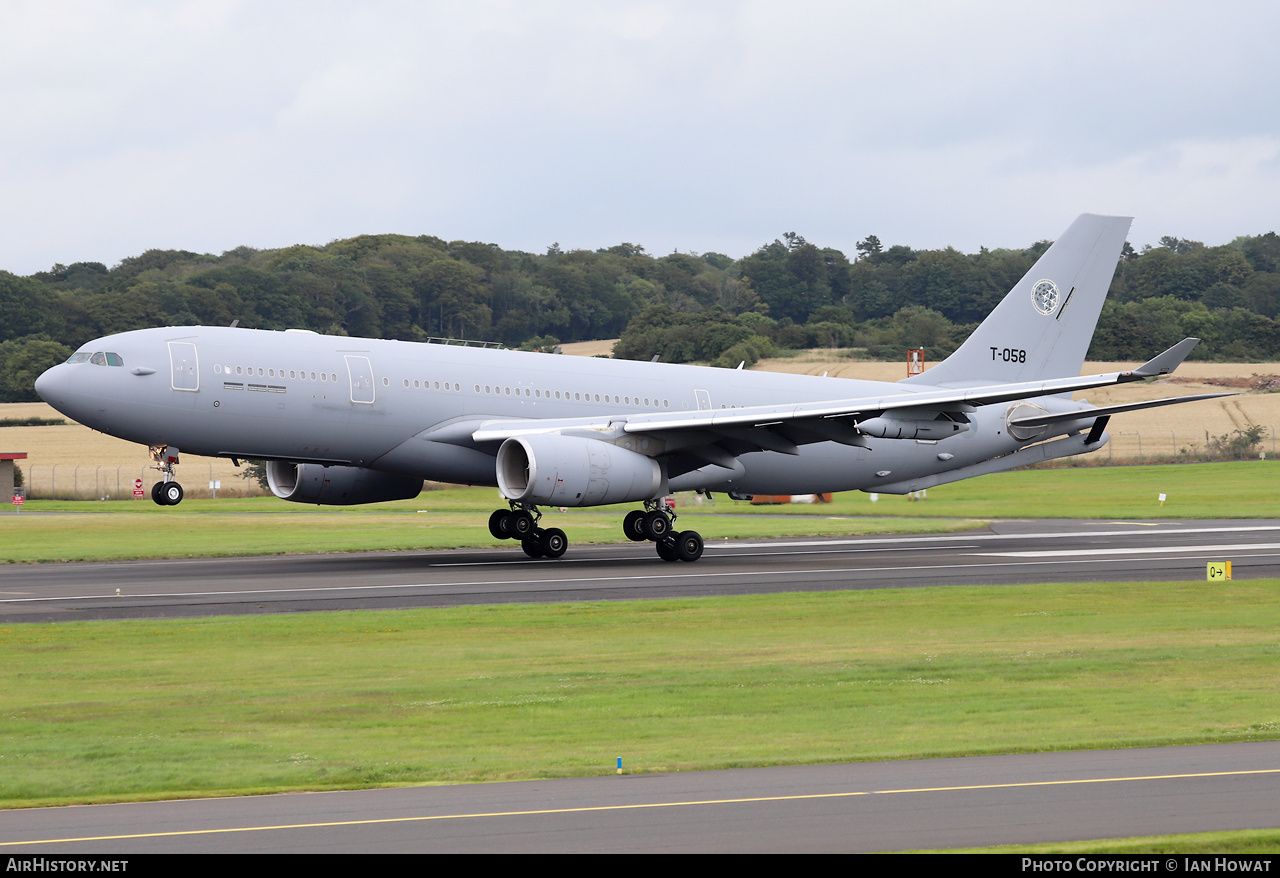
{"points": [[1163, 364]]}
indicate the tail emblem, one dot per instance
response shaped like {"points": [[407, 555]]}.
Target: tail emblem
{"points": [[1044, 295]]}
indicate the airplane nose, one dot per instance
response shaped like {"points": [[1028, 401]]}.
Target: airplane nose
{"points": [[51, 385]]}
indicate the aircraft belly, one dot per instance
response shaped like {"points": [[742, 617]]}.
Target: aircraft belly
{"points": [[829, 467], [269, 426], [819, 468], [439, 461]]}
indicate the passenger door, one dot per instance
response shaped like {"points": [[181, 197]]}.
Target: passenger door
{"points": [[184, 367], [360, 371]]}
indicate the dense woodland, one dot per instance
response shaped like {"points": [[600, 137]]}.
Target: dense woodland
{"points": [[683, 307]]}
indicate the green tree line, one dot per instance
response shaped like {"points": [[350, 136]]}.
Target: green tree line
{"points": [[681, 307]]}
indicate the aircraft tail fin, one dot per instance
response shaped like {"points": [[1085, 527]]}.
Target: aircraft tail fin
{"points": [[1043, 327]]}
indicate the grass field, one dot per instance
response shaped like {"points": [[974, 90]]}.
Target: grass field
{"points": [[1250, 841], [146, 709]]}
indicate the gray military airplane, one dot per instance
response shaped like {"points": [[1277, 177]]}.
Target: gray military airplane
{"points": [[344, 421]]}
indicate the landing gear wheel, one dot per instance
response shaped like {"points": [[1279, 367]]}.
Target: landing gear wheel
{"points": [[633, 526], [656, 526], [499, 524], [553, 542], [689, 545], [156, 494], [520, 525], [667, 550], [172, 493], [532, 547]]}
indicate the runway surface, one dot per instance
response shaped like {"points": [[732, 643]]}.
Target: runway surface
{"points": [[861, 807], [1006, 552], [881, 806]]}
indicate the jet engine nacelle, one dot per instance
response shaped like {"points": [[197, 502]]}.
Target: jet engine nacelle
{"points": [[910, 428], [337, 485], [572, 471]]}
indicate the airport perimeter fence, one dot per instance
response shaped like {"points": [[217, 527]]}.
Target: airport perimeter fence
{"points": [[1170, 446], [106, 482]]}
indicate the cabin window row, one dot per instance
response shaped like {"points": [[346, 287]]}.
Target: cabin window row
{"points": [[537, 393], [418, 384], [427, 385], [275, 373]]}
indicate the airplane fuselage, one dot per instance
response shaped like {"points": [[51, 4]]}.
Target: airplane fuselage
{"points": [[410, 409]]}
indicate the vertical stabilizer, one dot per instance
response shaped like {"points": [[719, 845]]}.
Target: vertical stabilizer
{"points": [[1043, 327]]}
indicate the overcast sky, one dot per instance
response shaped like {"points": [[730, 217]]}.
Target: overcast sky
{"points": [[689, 126]]}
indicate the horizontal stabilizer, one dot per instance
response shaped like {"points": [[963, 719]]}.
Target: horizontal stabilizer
{"points": [[1046, 418], [1163, 364]]}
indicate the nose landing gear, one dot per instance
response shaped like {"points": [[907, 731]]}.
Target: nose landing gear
{"points": [[166, 492]]}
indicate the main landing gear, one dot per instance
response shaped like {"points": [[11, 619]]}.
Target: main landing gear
{"points": [[656, 522], [521, 523], [166, 492]]}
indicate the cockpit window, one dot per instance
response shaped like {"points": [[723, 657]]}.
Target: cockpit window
{"points": [[97, 358]]}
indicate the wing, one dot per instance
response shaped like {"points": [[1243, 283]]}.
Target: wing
{"points": [[719, 436]]}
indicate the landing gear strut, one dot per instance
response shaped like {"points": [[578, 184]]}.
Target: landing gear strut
{"points": [[656, 522], [166, 492], [521, 523]]}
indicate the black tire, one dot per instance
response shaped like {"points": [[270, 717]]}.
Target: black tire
{"points": [[633, 526], [520, 525], [156, 494], [667, 550], [172, 493], [656, 526], [499, 524], [689, 545], [532, 547], [553, 542]]}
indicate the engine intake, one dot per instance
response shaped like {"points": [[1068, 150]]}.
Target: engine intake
{"points": [[573, 471], [337, 485]]}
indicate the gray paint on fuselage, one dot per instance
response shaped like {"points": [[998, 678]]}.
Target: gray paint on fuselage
{"points": [[314, 420]]}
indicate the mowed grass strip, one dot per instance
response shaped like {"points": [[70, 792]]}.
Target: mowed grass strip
{"points": [[152, 709], [1195, 844], [181, 533], [457, 517]]}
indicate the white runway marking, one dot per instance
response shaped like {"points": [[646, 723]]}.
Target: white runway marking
{"points": [[1220, 548], [964, 537]]}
